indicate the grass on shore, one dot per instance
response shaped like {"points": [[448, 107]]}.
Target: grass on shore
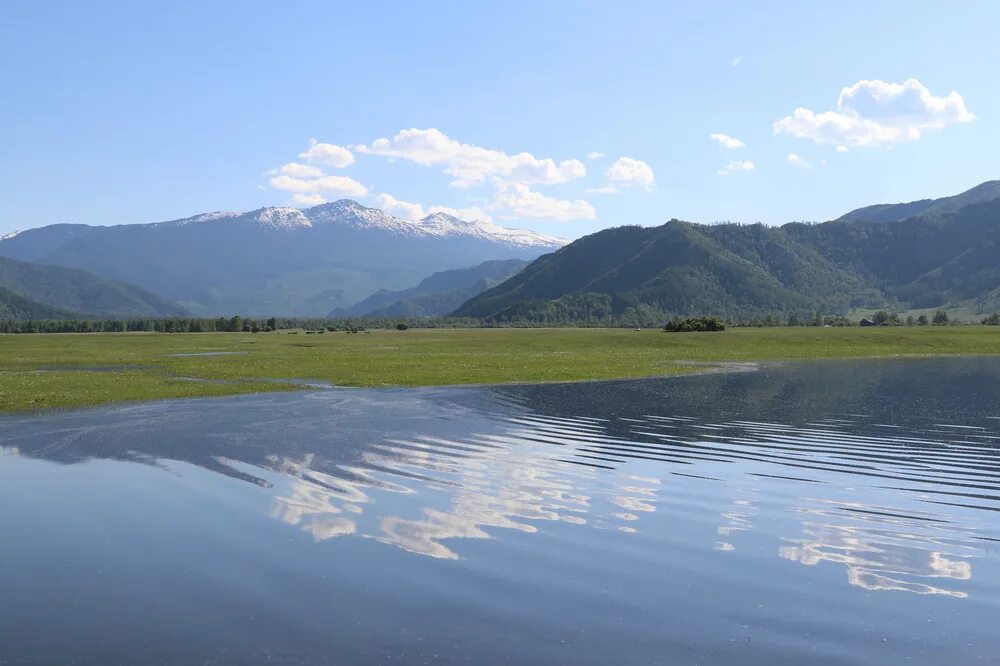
{"points": [[71, 370]]}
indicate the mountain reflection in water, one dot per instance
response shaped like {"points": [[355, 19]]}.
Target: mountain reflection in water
{"points": [[884, 476]]}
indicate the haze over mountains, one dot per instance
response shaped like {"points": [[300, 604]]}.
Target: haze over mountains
{"points": [[437, 295], [32, 291], [343, 259], [276, 260]]}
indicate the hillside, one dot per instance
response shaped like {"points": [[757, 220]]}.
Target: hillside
{"points": [[13, 306], [276, 260], [982, 193], [52, 291], [436, 295], [745, 271]]}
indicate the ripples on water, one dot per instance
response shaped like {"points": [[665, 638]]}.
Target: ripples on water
{"points": [[822, 513]]}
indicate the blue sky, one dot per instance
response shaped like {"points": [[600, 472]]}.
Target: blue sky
{"points": [[136, 112]]}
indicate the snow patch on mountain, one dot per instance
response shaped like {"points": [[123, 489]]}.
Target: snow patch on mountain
{"points": [[280, 218], [442, 224], [203, 217], [353, 214], [9, 235]]}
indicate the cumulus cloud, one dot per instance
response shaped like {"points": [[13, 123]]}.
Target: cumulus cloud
{"points": [[629, 172], [300, 199], [842, 149], [296, 170], [736, 165], [876, 113], [471, 165], [797, 161], [327, 153], [595, 155], [607, 189], [415, 211], [730, 142], [404, 209], [518, 200], [332, 185]]}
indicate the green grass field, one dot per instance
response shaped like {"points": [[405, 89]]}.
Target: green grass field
{"points": [[67, 370]]}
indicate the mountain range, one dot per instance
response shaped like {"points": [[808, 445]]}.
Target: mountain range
{"points": [[922, 254], [32, 291], [275, 260], [436, 295], [343, 259]]}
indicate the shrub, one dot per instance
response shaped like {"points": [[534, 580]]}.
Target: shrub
{"points": [[693, 324]]}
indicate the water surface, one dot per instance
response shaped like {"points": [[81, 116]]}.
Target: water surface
{"points": [[821, 513]]}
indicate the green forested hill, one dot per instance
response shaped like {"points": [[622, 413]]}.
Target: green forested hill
{"points": [[743, 271], [79, 292], [982, 193], [17, 307]]}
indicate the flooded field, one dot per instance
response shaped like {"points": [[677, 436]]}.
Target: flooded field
{"points": [[835, 512]]}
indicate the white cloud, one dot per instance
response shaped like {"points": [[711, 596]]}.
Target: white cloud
{"points": [[415, 211], [842, 149], [736, 61], [629, 172], [875, 113], [517, 200], [327, 153], [595, 155], [335, 185], [300, 199], [797, 161], [471, 165], [470, 213], [736, 165], [730, 142], [607, 189], [404, 209], [296, 170]]}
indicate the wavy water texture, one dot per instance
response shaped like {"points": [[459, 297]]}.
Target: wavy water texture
{"points": [[743, 498]]}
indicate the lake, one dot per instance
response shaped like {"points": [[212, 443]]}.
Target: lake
{"points": [[817, 513]]}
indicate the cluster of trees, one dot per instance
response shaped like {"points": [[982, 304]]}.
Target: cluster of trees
{"points": [[883, 318], [992, 320], [693, 324]]}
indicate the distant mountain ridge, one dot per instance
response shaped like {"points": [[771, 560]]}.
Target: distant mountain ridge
{"points": [[53, 291], [982, 193], [948, 253], [436, 295], [276, 260]]}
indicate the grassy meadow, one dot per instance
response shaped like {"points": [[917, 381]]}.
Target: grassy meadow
{"points": [[71, 370]]}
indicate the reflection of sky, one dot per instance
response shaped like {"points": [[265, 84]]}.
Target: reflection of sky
{"points": [[893, 552], [452, 489], [903, 508]]}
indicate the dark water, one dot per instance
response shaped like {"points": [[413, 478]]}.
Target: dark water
{"points": [[826, 513]]}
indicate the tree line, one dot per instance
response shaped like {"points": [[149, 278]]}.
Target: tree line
{"points": [[641, 317]]}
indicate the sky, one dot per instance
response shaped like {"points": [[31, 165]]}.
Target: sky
{"points": [[562, 117]]}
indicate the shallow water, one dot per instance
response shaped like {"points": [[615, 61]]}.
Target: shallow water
{"points": [[822, 513], [210, 353]]}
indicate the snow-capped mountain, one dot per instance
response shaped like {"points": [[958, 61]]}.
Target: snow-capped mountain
{"points": [[277, 260], [352, 214]]}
